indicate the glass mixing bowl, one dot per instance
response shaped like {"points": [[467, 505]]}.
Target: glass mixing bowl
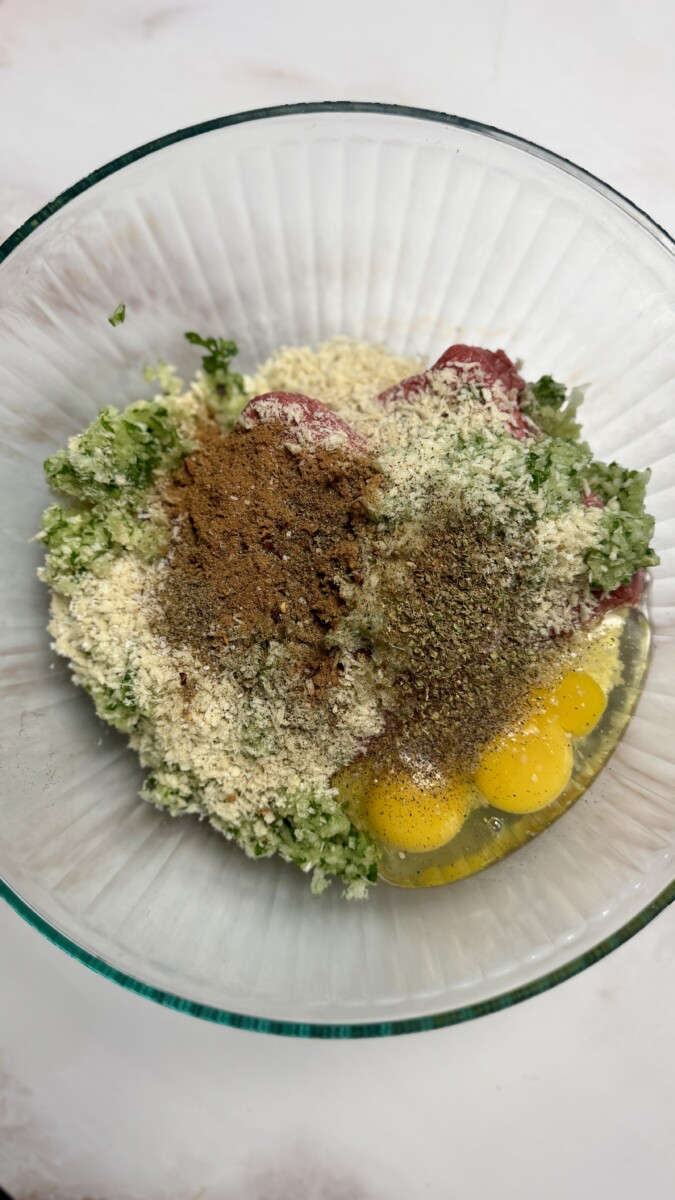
{"points": [[289, 225]]}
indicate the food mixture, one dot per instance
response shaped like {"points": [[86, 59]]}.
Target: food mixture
{"points": [[375, 618]]}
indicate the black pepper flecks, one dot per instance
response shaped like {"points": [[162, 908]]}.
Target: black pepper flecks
{"points": [[457, 636]]}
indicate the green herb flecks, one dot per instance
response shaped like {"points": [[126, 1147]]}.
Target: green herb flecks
{"points": [[81, 540], [562, 469], [552, 408], [227, 396], [118, 454], [107, 474], [118, 316], [220, 354], [562, 472], [117, 706], [307, 827], [626, 527]]}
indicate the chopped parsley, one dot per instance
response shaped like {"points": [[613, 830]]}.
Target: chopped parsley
{"points": [[562, 469], [627, 529], [84, 540], [220, 353], [227, 394], [552, 408], [118, 454], [118, 316], [310, 828], [106, 475]]}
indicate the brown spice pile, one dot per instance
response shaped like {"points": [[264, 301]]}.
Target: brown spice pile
{"points": [[263, 538]]}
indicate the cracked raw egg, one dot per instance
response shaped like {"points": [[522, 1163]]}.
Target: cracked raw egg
{"points": [[408, 816], [577, 703], [524, 770], [433, 824]]}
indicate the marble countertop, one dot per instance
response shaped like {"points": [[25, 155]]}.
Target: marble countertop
{"points": [[103, 1094]]}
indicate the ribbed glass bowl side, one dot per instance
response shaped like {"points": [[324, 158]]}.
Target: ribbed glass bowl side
{"points": [[287, 226]]}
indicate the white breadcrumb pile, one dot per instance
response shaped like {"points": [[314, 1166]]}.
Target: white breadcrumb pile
{"points": [[346, 376], [243, 745], [239, 745]]}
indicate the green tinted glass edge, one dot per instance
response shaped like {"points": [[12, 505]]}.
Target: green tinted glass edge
{"points": [[236, 1020], [352, 1030]]}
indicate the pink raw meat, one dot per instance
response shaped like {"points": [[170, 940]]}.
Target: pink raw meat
{"points": [[493, 366], [628, 593], [483, 367], [592, 501], [300, 413]]}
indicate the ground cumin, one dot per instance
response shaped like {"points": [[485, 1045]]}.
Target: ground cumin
{"points": [[264, 539]]}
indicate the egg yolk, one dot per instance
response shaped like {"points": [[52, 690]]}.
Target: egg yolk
{"points": [[520, 772], [577, 703], [525, 770], [414, 818]]}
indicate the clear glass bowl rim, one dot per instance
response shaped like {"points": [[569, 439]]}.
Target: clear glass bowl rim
{"points": [[451, 1016]]}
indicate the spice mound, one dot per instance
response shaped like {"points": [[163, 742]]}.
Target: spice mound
{"points": [[266, 546], [361, 613]]}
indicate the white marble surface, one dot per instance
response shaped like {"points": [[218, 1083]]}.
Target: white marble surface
{"points": [[105, 1095]]}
